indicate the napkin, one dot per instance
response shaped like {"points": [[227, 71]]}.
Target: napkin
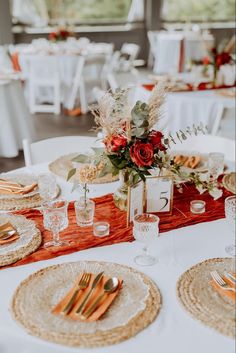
{"points": [[6, 227], [102, 306], [8, 187], [227, 293]]}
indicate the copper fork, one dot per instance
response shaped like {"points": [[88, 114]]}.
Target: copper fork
{"points": [[82, 284]]}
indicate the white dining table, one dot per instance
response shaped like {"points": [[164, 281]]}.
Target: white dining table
{"points": [[183, 109], [174, 330], [15, 120]]}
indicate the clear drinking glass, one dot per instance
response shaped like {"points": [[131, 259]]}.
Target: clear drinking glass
{"points": [[145, 230], [55, 219], [230, 214], [216, 164], [47, 186], [84, 212]]}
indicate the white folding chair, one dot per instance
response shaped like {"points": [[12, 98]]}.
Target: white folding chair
{"points": [[167, 52], [44, 73], [77, 87], [207, 144], [52, 148], [224, 124]]}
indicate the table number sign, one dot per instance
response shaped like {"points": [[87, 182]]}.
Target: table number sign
{"points": [[135, 204], [159, 194]]}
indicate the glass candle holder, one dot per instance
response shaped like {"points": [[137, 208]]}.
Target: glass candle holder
{"points": [[84, 212], [101, 229], [197, 206]]}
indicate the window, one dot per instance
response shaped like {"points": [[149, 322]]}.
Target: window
{"points": [[43, 12], [198, 10], [88, 10]]}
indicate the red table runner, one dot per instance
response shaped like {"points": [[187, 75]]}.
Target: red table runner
{"points": [[82, 238]]}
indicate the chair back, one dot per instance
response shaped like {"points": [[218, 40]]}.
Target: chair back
{"points": [[131, 50], [50, 149], [43, 67]]}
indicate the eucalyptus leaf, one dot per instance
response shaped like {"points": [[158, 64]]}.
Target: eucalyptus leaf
{"points": [[81, 158], [71, 173]]}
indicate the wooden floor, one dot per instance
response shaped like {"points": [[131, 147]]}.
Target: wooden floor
{"points": [[50, 125]]}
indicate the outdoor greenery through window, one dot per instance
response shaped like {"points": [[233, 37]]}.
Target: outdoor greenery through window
{"points": [[88, 10], [198, 10]]}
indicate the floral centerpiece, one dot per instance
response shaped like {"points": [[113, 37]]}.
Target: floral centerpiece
{"points": [[60, 35], [135, 149], [217, 58]]}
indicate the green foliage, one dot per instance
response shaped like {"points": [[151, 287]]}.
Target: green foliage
{"points": [[71, 173], [81, 158], [139, 120], [199, 10]]}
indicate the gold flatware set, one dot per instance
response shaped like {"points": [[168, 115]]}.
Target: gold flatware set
{"points": [[109, 287]]}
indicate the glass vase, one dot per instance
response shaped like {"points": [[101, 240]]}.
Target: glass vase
{"points": [[84, 211], [120, 196]]}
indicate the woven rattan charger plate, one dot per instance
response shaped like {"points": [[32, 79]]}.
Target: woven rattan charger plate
{"points": [[204, 303], [63, 165], [9, 204], [29, 239], [229, 182], [136, 306]]}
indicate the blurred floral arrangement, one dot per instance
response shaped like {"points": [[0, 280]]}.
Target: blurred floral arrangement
{"points": [[60, 35], [134, 147], [217, 59]]}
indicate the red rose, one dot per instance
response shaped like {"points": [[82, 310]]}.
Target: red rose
{"points": [[155, 138], [115, 143], [142, 154], [64, 33], [222, 59]]}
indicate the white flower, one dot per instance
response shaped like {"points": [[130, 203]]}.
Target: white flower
{"points": [[216, 193], [204, 177], [200, 189]]}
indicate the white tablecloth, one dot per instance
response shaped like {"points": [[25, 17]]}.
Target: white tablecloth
{"points": [[15, 120], [188, 108], [174, 330], [184, 109]]}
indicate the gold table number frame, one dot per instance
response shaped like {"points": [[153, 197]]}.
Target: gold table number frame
{"points": [[135, 200], [162, 194], [138, 202]]}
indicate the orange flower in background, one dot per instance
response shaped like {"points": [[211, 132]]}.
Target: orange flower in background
{"points": [[142, 154], [53, 36], [206, 60]]}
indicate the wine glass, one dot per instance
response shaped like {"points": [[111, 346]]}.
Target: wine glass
{"points": [[145, 230], [216, 164], [47, 186], [55, 219], [230, 214]]}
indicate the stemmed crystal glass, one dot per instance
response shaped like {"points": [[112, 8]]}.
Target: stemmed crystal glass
{"points": [[47, 186], [216, 164], [55, 219], [145, 230], [230, 214]]}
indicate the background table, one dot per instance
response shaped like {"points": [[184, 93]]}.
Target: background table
{"points": [[15, 120], [174, 330]]}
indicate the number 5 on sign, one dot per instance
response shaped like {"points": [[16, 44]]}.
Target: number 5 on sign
{"points": [[159, 194]]}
